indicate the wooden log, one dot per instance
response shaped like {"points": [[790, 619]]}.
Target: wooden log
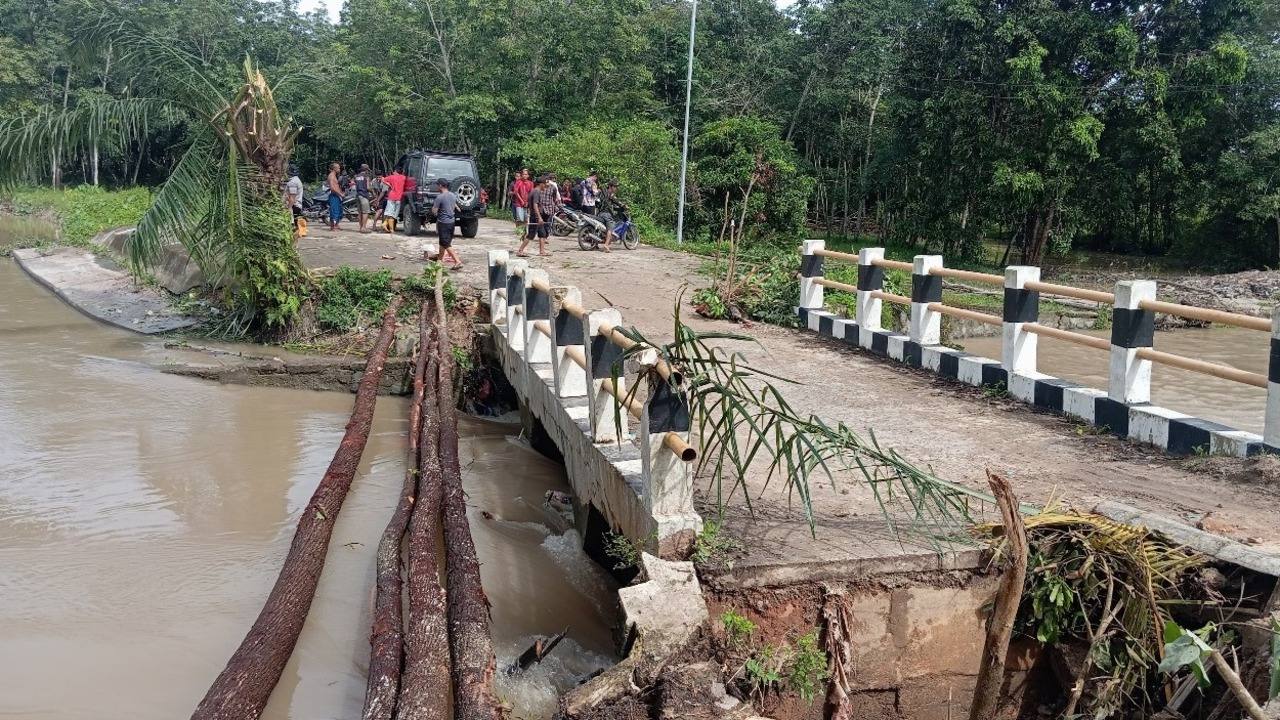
{"points": [[474, 664], [386, 640], [241, 691], [986, 694], [423, 688]]}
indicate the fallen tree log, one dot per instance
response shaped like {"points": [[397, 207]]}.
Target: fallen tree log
{"points": [[474, 664], [986, 694], [241, 691], [386, 639], [424, 685]]}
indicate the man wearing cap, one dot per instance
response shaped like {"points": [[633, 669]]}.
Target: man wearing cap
{"points": [[444, 207]]}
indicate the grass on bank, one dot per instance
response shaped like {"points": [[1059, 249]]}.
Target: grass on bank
{"points": [[42, 217]]}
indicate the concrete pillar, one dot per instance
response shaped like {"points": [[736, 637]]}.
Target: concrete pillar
{"points": [[608, 420], [811, 269], [537, 307], [926, 324], [568, 332], [515, 304], [1129, 380], [1271, 428], [1021, 306], [498, 281], [870, 279], [668, 482]]}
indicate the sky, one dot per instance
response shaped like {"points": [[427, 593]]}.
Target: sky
{"points": [[333, 7]]}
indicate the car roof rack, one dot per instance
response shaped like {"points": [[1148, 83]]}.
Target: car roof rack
{"points": [[443, 153]]}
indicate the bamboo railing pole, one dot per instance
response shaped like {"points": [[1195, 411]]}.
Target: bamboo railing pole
{"points": [[241, 690]]}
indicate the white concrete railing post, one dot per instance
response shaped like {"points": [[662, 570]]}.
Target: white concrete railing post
{"points": [[668, 482], [567, 334], [1129, 379], [870, 279], [603, 354], [515, 304], [926, 324], [1271, 426], [1021, 306], [498, 282], [537, 308], [811, 269]]}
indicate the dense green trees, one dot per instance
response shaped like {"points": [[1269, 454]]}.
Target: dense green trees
{"points": [[1025, 125]]}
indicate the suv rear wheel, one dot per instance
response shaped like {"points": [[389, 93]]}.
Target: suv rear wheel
{"points": [[412, 223], [469, 227]]}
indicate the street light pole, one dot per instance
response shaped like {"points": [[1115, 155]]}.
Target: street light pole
{"points": [[688, 98]]}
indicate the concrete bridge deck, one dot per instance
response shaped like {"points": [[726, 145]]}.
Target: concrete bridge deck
{"points": [[952, 428]]}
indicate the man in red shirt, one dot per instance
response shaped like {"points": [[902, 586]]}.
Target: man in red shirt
{"points": [[520, 191], [395, 193]]}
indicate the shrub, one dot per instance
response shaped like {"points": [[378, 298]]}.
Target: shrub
{"points": [[737, 628], [84, 211], [419, 287], [353, 298], [714, 545], [808, 667]]}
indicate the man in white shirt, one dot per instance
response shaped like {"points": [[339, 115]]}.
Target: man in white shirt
{"points": [[293, 194]]}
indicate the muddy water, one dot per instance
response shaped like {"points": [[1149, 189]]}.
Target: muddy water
{"points": [[143, 518], [1239, 406]]}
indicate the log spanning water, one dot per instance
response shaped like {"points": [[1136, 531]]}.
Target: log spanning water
{"points": [[138, 586]]}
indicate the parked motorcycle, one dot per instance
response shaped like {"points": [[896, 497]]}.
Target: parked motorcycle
{"points": [[567, 221], [316, 206]]}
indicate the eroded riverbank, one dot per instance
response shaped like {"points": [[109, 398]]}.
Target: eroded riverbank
{"points": [[144, 517]]}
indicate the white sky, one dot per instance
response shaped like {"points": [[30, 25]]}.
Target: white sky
{"points": [[333, 7]]}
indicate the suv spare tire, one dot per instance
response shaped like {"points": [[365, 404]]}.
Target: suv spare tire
{"points": [[468, 191]]}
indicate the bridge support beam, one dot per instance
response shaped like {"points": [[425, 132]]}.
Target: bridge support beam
{"points": [[926, 324], [1271, 427], [498, 286], [537, 309], [515, 304], [870, 279], [1129, 379], [608, 421], [568, 336]]}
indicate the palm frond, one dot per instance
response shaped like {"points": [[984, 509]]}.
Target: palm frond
{"points": [[180, 210]]}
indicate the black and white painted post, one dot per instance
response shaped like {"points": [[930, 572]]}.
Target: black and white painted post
{"points": [[1018, 346], [608, 422], [926, 325], [870, 280], [1271, 421], [515, 304], [537, 316], [1132, 328], [567, 334], [811, 296], [669, 487], [498, 285]]}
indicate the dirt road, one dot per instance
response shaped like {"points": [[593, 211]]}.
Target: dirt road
{"points": [[952, 428]]}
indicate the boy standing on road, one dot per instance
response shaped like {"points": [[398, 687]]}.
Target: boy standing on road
{"points": [[444, 207], [395, 193], [521, 189], [363, 195], [335, 195], [545, 203]]}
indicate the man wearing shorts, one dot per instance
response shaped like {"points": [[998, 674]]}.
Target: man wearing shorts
{"points": [[544, 204], [395, 193], [363, 195], [520, 191], [444, 207]]}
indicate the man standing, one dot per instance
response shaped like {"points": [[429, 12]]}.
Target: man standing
{"points": [[590, 191], [293, 195], [545, 203], [335, 195], [443, 208], [520, 191], [395, 193], [362, 194]]}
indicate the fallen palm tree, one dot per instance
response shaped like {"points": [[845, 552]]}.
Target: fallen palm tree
{"points": [[241, 691], [423, 690], [469, 639], [386, 639]]}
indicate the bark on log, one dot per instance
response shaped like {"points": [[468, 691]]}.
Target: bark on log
{"points": [[986, 694], [386, 641], [241, 691], [424, 687], [473, 659]]}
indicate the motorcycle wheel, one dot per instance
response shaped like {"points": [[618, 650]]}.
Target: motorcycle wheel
{"points": [[631, 240], [586, 239], [561, 226]]}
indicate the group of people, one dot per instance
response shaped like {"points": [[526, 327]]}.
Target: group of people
{"points": [[379, 196], [536, 203]]}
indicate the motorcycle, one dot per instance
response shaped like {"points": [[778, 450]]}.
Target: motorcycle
{"points": [[316, 206], [594, 229], [567, 221]]}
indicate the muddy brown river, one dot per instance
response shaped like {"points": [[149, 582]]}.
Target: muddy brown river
{"points": [[144, 516], [1231, 403]]}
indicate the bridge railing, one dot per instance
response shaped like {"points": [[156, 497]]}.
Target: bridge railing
{"points": [[1125, 405], [592, 359]]}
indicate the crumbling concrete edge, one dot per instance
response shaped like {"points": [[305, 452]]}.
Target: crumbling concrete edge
{"points": [[1214, 546], [782, 575]]}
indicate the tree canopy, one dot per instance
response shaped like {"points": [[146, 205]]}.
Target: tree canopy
{"points": [[1126, 126]]}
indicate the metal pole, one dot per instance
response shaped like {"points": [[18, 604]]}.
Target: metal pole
{"points": [[688, 98]]}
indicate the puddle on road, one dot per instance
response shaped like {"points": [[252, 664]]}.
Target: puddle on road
{"points": [[143, 518]]}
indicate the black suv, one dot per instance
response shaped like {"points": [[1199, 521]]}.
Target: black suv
{"points": [[424, 168]]}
